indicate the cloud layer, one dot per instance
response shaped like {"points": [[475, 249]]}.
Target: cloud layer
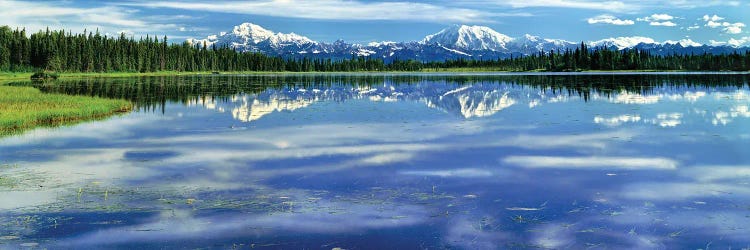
{"points": [[334, 10], [609, 19], [40, 15], [727, 27]]}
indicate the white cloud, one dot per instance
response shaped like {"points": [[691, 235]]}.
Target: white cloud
{"points": [[659, 20], [667, 24], [609, 19], [613, 5], [656, 18], [694, 27], [727, 27], [691, 4], [334, 10], [576, 4], [40, 15], [733, 28], [712, 24], [619, 6], [714, 18], [662, 17]]}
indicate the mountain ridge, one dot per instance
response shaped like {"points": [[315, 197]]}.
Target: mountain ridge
{"points": [[452, 42]]}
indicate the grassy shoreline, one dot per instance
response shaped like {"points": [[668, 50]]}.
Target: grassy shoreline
{"points": [[23, 108]]}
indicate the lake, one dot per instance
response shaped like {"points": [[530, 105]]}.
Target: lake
{"points": [[385, 161]]}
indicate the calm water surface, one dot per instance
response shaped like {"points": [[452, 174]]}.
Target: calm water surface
{"points": [[389, 161]]}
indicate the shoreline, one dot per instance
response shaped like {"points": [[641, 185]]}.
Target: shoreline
{"points": [[26, 76], [26, 108], [24, 115]]}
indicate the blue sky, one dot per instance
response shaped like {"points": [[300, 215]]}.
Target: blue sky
{"points": [[361, 21]]}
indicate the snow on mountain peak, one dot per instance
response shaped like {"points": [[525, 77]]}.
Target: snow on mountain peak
{"points": [[630, 42], [530, 38], [252, 31], [249, 35], [469, 37], [280, 38], [456, 41], [745, 41], [623, 42], [531, 44], [379, 44], [684, 43], [258, 34]]}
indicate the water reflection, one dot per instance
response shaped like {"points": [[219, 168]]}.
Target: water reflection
{"points": [[248, 98], [306, 161]]}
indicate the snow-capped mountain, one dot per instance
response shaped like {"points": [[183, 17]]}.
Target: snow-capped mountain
{"points": [[252, 37], [528, 44], [455, 41], [622, 42], [683, 46], [469, 38], [684, 42]]}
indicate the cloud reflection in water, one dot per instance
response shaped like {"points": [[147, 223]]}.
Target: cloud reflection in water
{"points": [[441, 171]]}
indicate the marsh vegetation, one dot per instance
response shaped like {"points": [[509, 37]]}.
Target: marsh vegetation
{"points": [[22, 108]]}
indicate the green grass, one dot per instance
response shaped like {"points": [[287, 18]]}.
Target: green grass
{"points": [[23, 108], [6, 77]]}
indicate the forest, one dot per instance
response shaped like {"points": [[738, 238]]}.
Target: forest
{"points": [[58, 51]]}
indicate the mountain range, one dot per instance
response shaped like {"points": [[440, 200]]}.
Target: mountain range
{"points": [[453, 42]]}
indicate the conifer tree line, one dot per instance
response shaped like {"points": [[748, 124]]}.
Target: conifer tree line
{"points": [[585, 58], [92, 52]]}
